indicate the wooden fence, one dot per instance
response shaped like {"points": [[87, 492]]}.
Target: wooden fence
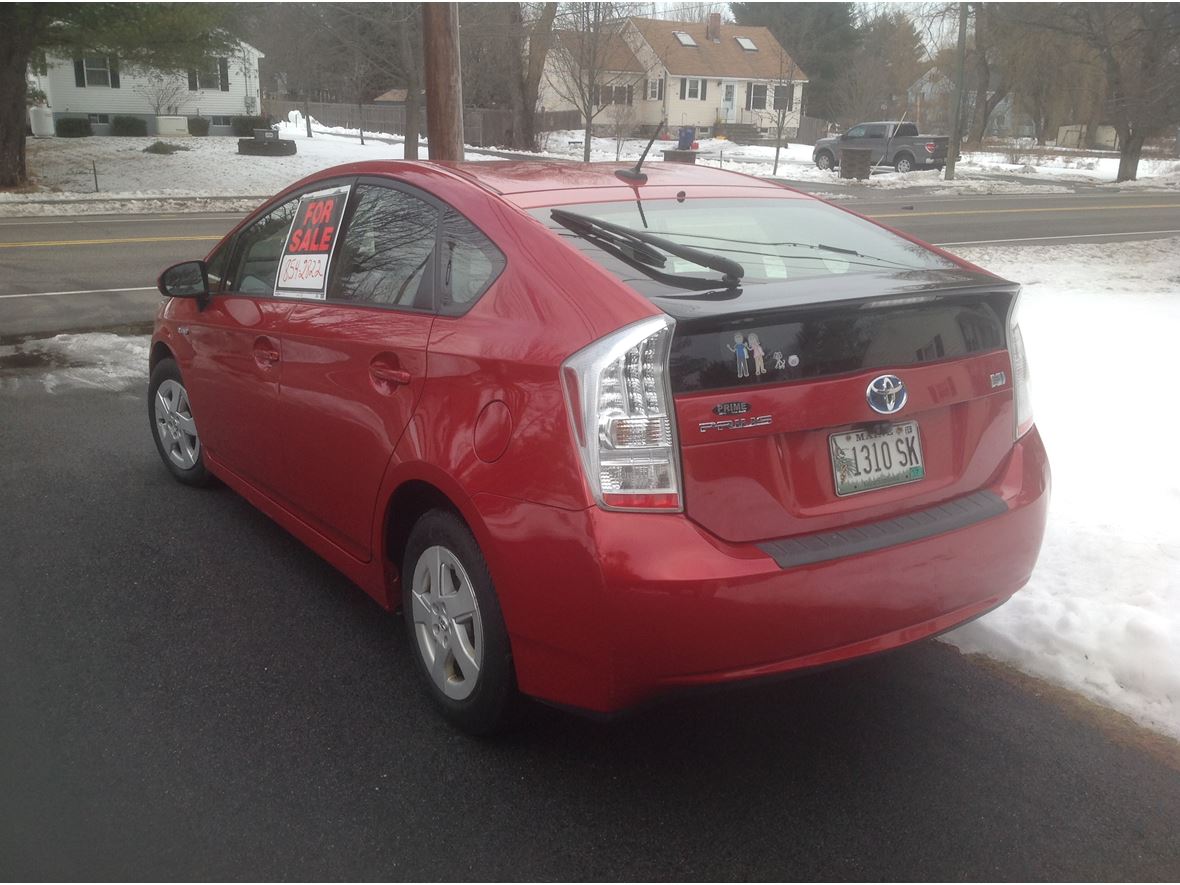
{"points": [[482, 127]]}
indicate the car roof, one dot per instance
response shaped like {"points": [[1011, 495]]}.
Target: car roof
{"points": [[530, 183]]}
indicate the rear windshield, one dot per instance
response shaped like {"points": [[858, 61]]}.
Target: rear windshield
{"points": [[773, 239]]}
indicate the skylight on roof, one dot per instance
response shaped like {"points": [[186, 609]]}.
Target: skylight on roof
{"points": [[685, 39], [746, 43]]}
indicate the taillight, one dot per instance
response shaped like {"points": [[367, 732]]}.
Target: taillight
{"points": [[620, 408], [930, 146], [1021, 387]]}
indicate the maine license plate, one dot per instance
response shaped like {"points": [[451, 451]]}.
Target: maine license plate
{"points": [[863, 460]]}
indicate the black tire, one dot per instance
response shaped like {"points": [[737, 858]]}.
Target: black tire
{"points": [[903, 160], [492, 699], [825, 160], [195, 474]]}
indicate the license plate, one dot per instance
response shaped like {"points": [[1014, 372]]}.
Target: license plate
{"points": [[863, 461]]}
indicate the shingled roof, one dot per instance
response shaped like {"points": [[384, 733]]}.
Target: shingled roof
{"points": [[616, 56], [722, 59]]}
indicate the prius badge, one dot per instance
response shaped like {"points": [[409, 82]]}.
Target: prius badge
{"points": [[886, 394]]}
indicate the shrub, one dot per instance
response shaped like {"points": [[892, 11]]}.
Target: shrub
{"points": [[122, 125], [73, 127], [244, 126], [198, 125], [163, 147]]}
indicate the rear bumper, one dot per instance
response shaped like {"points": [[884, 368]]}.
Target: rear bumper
{"points": [[610, 609]]}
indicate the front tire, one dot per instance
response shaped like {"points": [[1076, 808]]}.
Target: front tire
{"points": [[173, 426], [455, 626]]}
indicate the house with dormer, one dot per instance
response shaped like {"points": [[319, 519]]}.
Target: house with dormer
{"points": [[720, 78]]}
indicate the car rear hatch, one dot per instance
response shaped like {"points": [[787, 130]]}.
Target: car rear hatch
{"points": [[802, 407]]}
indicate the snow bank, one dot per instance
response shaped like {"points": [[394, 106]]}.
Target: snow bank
{"points": [[94, 360], [1101, 614]]}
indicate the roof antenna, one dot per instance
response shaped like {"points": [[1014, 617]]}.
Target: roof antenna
{"points": [[634, 174]]}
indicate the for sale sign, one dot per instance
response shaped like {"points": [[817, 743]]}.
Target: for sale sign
{"points": [[307, 255]]}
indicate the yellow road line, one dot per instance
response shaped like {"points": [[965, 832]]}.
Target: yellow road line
{"points": [[1091, 209], [106, 242]]}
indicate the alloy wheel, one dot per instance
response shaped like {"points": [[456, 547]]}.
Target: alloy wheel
{"points": [[175, 424], [446, 622]]}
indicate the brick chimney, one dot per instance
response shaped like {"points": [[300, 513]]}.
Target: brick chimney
{"points": [[713, 29]]}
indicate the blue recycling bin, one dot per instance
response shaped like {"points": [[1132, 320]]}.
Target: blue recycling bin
{"points": [[684, 138]]}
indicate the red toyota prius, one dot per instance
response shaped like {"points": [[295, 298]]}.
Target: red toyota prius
{"points": [[601, 434]]}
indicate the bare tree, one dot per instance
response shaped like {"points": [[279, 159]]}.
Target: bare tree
{"points": [[784, 100], [579, 60], [1138, 46], [166, 93]]}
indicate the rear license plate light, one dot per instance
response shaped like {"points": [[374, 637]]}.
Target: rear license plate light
{"points": [[863, 461]]}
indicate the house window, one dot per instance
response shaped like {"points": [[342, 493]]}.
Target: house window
{"points": [[606, 95], [98, 70], [784, 97], [758, 96], [693, 90], [99, 118], [746, 43], [213, 75], [654, 88], [685, 39], [220, 120]]}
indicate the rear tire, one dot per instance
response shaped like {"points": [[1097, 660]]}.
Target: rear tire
{"points": [[455, 627], [903, 163], [174, 427], [825, 160]]}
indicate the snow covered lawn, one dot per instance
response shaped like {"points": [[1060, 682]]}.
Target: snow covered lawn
{"points": [[1101, 614], [975, 172], [211, 173]]}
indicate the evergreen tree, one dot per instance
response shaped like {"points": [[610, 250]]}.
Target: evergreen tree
{"points": [[820, 37]]}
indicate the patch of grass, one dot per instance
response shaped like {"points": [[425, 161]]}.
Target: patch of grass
{"points": [[163, 147]]}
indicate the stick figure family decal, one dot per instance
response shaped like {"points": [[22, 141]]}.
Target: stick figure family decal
{"points": [[747, 346]]}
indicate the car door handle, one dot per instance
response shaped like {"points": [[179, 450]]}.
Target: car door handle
{"points": [[265, 352], [389, 374]]}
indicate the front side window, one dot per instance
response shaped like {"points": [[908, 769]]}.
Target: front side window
{"points": [[875, 131], [856, 132], [385, 257], [98, 70], [259, 249], [470, 263]]}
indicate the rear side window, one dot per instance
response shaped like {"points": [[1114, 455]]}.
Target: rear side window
{"points": [[904, 129], [387, 251], [470, 263], [259, 248]]}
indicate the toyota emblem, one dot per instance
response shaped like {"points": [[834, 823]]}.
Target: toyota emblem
{"points": [[886, 394]]}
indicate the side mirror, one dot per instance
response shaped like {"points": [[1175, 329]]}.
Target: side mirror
{"points": [[189, 279]]}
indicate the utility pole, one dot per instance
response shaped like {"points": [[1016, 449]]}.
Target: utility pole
{"points": [[952, 150], [444, 88]]}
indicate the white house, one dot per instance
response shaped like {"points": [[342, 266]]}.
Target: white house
{"points": [[717, 77], [99, 88]]}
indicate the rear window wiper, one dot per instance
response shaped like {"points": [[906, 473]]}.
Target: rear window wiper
{"points": [[633, 244]]}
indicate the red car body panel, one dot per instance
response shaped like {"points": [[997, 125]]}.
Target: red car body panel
{"points": [[320, 414]]}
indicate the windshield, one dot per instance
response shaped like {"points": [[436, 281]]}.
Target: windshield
{"points": [[772, 239]]}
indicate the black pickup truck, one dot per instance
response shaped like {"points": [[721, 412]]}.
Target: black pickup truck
{"points": [[893, 143]]}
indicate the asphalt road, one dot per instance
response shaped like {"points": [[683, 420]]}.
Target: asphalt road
{"points": [[188, 693], [100, 271]]}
